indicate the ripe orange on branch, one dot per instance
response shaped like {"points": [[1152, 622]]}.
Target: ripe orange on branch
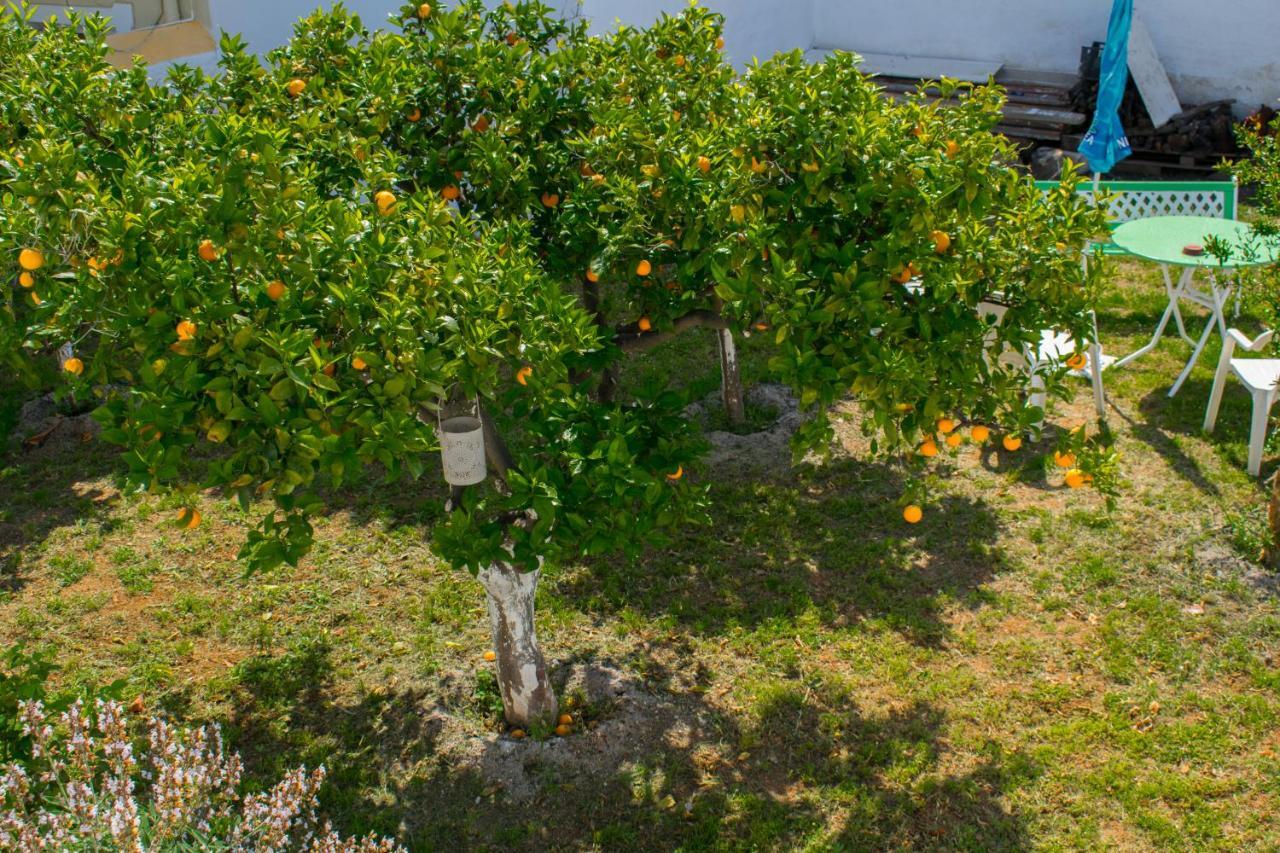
{"points": [[31, 259], [186, 330], [928, 449], [1012, 443], [704, 164], [1075, 478], [946, 425], [941, 241], [676, 474], [1077, 361], [550, 199], [644, 324], [912, 514], [523, 374], [207, 251], [296, 87], [386, 201], [424, 11], [980, 434], [74, 366], [27, 280], [1064, 460], [450, 193], [644, 268], [276, 290]]}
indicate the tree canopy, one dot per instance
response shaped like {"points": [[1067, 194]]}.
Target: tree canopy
{"points": [[274, 276]]}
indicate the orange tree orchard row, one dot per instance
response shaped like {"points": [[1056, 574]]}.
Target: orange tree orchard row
{"points": [[298, 261]]}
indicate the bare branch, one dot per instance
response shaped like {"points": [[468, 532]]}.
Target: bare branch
{"points": [[631, 339]]}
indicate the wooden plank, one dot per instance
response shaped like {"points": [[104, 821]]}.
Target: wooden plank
{"points": [[160, 44], [919, 67], [1019, 132], [1034, 77], [1020, 114], [1150, 76]]}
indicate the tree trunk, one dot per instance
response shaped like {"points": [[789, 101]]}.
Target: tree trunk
{"points": [[730, 378], [527, 695]]}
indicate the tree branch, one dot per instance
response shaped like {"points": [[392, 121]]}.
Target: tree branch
{"points": [[631, 339]]}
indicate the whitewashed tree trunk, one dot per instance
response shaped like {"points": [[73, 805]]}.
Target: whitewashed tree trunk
{"points": [[527, 694], [730, 378]]}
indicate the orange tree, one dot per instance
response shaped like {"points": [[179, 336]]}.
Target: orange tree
{"points": [[276, 276]]}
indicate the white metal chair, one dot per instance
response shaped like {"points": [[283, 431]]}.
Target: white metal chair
{"points": [[1054, 348], [1260, 376]]}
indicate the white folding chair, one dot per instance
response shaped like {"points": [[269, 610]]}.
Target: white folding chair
{"points": [[1260, 376]]}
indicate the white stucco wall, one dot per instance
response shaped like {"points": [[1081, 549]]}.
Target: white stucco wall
{"points": [[1212, 50], [752, 27]]}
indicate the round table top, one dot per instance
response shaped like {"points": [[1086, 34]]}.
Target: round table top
{"points": [[1162, 239]]}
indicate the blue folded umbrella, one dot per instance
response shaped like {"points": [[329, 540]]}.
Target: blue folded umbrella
{"points": [[1106, 143]]}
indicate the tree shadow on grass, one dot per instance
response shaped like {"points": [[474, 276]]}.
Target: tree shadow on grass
{"points": [[827, 541], [41, 491], [808, 767]]}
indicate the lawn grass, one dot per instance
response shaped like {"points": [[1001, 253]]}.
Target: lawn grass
{"points": [[1022, 669]]}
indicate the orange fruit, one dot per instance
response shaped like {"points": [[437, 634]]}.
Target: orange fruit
{"points": [[676, 474], [523, 374], [1077, 361], [490, 656], [186, 330], [35, 297], [512, 38], [27, 280], [296, 87], [1012, 443], [450, 192], [675, 115], [566, 720], [550, 199], [1075, 478], [276, 290], [207, 251], [592, 276], [644, 324], [704, 164], [424, 11], [564, 731], [189, 518], [517, 734], [946, 425], [917, 131], [720, 43], [680, 60], [1064, 460], [385, 200], [414, 115], [762, 327], [955, 440], [644, 268], [358, 363], [481, 124], [74, 366], [928, 449], [941, 241], [953, 148], [330, 369], [31, 259], [979, 434], [912, 514]]}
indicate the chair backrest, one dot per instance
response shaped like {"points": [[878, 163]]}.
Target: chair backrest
{"points": [[1143, 199]]}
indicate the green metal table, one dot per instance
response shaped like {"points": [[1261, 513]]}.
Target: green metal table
{"points": [[1163, 239]]}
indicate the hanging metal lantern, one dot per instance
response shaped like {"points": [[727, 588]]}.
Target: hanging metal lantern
{"points": [[462, 448]]}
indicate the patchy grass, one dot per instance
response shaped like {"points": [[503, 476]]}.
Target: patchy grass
{"points": [[1022, 669]]}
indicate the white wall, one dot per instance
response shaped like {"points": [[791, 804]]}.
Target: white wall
{"points": [[752, 27], [1212, 50]]}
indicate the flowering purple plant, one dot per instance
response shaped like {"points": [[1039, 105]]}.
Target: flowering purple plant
{"points": [[89, 789]]}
